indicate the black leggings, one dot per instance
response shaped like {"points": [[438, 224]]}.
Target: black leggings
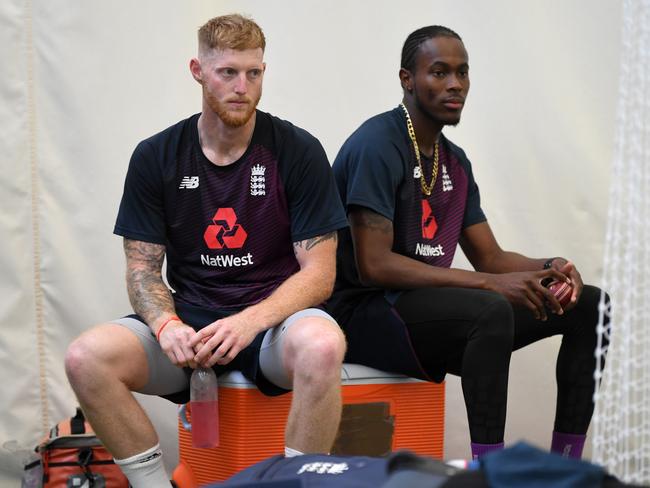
{"points": [[471, 333]]}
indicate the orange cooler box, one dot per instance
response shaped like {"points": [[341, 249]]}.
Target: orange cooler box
{"points": [[382, 412]]}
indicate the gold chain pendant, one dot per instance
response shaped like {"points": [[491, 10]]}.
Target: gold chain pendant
{"points": [[426, 189]]}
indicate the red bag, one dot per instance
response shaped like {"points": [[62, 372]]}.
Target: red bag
{"points": [[73, 456]]}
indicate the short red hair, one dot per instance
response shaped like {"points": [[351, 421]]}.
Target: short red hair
{"points": [[231, 32]]}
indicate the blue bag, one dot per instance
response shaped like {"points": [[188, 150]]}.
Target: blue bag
{"points": [[523, 465], [322, 471], [313, 471]]}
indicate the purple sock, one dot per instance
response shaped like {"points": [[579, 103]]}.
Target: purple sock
{"points": [[480, 450], [568, 445]]}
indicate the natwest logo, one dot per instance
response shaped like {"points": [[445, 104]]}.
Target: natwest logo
{"points": [[225, 231], [429, 224]]}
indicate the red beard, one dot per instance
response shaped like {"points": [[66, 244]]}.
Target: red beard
{"points": [[229, 117]]}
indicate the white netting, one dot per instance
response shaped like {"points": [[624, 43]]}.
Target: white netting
{"points": [[621, 424]]}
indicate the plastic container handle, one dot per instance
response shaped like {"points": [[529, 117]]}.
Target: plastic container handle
{"points": [[182, 415]]}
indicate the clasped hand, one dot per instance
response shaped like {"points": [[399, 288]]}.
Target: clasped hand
{"points": [[217, 343], [525, 288], [221, 341]]}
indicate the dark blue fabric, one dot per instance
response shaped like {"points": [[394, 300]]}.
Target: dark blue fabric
{"points": [[228, 230], [374, 169], [376, 161], [519, 466], [524, 466], [377, 337], [283, 483], [312, 471]]}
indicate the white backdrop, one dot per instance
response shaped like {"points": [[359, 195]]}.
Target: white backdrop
{"points": [[83, 82]]}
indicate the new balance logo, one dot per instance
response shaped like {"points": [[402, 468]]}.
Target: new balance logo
{"points": [[189, 183]]}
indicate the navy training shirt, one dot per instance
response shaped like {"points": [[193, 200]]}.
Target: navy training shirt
{"points": [[376, 168], [229, 230]]}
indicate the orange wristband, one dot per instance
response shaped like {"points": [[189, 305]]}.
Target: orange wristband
{"points": [[164, 324]]}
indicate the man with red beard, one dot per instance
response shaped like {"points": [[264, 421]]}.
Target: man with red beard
{"points": [[244, 208]]}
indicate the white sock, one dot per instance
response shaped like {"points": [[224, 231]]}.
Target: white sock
{"points": [[145, 470], [288, 452]]}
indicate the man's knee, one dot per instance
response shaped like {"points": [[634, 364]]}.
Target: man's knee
{"points": [[80, 357], [105, 352], [583, 321], [591, 298], [592, 303], [317, 346], [496, 318]]}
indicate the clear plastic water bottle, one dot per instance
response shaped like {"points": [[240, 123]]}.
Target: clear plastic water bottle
{"points": [[204, 408]]}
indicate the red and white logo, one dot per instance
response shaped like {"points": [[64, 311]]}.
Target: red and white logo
{"points": [[429, 224], [225, 231]]}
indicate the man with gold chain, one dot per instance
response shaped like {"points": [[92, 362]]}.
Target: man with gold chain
{"points": [[411, 197]]}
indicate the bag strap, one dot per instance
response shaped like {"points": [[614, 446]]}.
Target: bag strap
{"points": [[77, 423]]}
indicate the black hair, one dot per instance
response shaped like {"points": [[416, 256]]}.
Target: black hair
{"points": [[416, 38]]}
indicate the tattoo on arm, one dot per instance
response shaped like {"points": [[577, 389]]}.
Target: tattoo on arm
{"points": [[148, 293], [374, 221], [309, 244]]}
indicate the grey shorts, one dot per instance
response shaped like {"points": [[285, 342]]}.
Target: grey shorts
{"points": [[168, 380]]}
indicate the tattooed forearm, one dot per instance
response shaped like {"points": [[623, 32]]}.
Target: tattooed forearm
{"points": [[148, 294], [309, 244], [373, 221]]}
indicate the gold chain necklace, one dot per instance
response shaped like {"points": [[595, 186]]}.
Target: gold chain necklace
{"points": [[426, 189]]}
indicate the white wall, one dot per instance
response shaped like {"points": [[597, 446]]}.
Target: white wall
{"points": [[83, 82]]}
